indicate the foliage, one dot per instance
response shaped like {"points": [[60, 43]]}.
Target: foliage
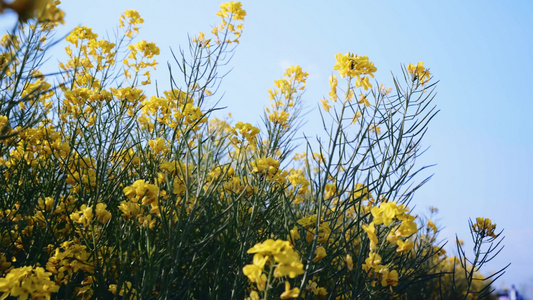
{"points": [[110, 192]]}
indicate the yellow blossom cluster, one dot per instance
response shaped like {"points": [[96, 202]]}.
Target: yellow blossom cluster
{"points": [[484, 227], [268, 168], [27, 282], [388, 213], [316, 290], [232, 16], [333, 82], [144, 199], [35, 145], [133, 19], [158, 146], [432, 226], [202, 40], [247, 132], [381, 272], [147, 50], [86, 215], [309, 223], [69, 259], [353, 65], [400, 224], [80, 33], [175, 109], [277, 254], [141, 191], [299, 183], [285, 95], [130, 97], [419, 73]]}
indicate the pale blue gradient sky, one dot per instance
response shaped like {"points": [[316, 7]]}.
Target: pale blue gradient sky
{"points": [[481, 51]]}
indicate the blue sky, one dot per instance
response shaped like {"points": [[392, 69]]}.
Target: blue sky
{"points": [[481, 51]]}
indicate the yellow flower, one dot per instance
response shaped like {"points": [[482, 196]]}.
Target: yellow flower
{"points": [[269, 167], [253, 272], [408, 227], [279, 117], [325, 104], [404, 246], [384, 214], [83, 216], [371, 232], [260, 260], [356, 117], [349, 262], [102, 215], [288, 261], [143, 191], [372, 261], [133, 19], [129, 209], [247, 131], [232, 8], [333, 85], [27, 282], [148, 49], [126, 287], [389, 278], [318, 291], [419, 73], [374, 128], [431, 225], [320, 253], [295, 234], [290, 293], [383, 90], [484, 227], [363, 82], [81, 33], [354, 66], [253, 296], [69, 258], [362, 99], [297, 74], [158, 145]]}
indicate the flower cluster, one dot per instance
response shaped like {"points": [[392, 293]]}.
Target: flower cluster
{"points": [[141, 191], [382, 273], [353, 65], [277, 254], [484, 227], [309, 223], [268, 168], [147, 50], [386, 214], [229, 12], [419, 73], [133, 19], [27, 282], [69, 259], [246, 132], [285, 96]]}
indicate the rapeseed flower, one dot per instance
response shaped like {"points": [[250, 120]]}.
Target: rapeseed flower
{"points": [[27, 282]]}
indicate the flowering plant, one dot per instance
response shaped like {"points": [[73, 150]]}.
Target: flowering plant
{"points": [[108, 191]]}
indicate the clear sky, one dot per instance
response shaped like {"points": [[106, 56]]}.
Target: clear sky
{"points": [[481, 51]]}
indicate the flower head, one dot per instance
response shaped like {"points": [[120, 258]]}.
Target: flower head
{"points": [[419, 73], [484, 227]]}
